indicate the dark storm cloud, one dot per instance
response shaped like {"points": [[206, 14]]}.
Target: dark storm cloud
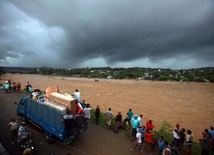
{"points": [[73, 32]]}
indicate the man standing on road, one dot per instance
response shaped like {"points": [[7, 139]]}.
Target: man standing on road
{"points": [[13, 126], [135, 123], [97, 114], [21, 133], [140, 119], [128, 118], [27, 87], [109, 115], [87, 112]]}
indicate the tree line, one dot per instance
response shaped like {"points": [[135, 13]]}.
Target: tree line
{"points": [[138, 73]]}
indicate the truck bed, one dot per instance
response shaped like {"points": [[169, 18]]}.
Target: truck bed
{"points": [[45, 116]]}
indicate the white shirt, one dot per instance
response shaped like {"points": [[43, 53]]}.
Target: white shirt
{"points": [[87, 112], [68, 116], [35, 93], [80, 106], [22, 132], [138, 135], [175, 134], [77, 95], [140, 120], [109, 113]]}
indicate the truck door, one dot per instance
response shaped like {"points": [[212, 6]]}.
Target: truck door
{"points": [[20, 107]]}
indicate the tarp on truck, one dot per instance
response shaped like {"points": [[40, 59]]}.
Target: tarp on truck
{"points": [[56, 106], [65, 100], [50, 90]]}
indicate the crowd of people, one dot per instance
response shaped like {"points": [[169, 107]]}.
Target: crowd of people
{"points": [[10, 86], [143, 134]]}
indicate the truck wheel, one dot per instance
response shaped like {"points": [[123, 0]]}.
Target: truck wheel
{"points": [[47, 137]]}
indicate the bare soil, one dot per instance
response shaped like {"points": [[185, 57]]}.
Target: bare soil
{"points": [[189, 104]]}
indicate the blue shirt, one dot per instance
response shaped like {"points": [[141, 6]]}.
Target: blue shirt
{"points": [[135, 123], [161, 145], [211, 133], [129, 114], [142, 131]]}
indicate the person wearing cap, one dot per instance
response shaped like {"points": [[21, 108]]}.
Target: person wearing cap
{"points": [[128, 118], [176, 136], [135, 123]]}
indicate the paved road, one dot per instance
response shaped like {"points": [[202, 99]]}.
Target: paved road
{"points": [[95, 141]]}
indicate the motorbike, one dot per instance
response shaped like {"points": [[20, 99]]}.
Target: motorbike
{"points": [[27, 143], [175, 150]]}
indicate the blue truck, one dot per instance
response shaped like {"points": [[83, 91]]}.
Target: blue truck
{"points": [[48, 120]]}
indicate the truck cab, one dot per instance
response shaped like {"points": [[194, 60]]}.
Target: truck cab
{"points": [[21, 107]]}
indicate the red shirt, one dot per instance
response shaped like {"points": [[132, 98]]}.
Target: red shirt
{"points": [[149, 125], [148, 136]]}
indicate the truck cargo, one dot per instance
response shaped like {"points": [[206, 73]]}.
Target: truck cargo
{"points": [[47, 116]]}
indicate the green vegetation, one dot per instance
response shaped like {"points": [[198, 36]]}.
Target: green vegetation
{"points": [[2, 71], [159, 74]]}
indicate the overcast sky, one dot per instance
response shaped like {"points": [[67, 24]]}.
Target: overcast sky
{"points": [[177, 34]]}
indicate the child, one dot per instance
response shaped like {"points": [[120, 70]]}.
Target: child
{"points": [[161, 144], [188, 142], [142, 131], [137, 142]]}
